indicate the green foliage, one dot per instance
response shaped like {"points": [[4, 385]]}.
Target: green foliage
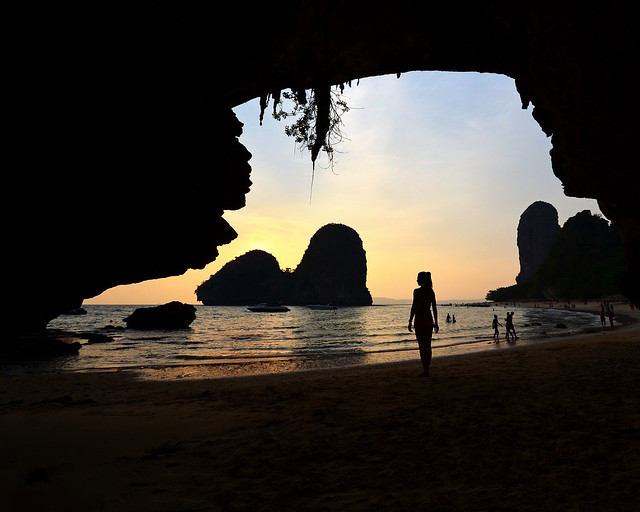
{"points": [[515, 292], [318, 118]]}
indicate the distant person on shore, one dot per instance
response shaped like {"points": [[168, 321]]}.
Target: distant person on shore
{"points": [[448, 317], [603, 320], [424, 299], [496, 333], [510, 328], [611, 315]]}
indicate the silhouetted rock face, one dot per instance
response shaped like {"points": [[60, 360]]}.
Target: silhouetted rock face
{"points": [[174, 315], [251, 278], [537, 230], [333, 269]]}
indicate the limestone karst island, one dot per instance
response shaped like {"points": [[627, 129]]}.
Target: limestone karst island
{"points": [[332, 270]]}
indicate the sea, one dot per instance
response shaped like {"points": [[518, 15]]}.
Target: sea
{"points": [[229, 338]]}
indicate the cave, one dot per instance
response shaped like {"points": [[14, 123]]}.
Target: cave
{"points": [[124, 144]]}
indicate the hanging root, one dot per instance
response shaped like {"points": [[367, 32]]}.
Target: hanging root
{"points": [[276, 101], [318, 117], [264, 101], [323, 105]]}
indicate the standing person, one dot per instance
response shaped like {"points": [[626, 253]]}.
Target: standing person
{"points": [[611, 315], [603, 322], [510, 328], [496, 333], [424, 299]]}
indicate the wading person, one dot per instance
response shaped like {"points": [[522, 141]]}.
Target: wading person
{"points": [[510, 328], [496, 332], [424, 300]]}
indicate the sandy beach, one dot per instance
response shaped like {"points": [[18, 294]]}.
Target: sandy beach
{"points": [[554, 426]]}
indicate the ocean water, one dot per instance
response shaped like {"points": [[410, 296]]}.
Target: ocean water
{"points": [[299, 339]]}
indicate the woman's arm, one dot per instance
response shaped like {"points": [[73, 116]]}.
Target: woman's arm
{"points": [[413, 309], [435, 312]]}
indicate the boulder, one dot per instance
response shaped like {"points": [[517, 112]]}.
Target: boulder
{"points": [[94, 337], [38, 348], [173, 315]]}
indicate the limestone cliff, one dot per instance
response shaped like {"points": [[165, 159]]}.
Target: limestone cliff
{"points": [[252, 278], [333, 269], [585, 261], [537, 230]]}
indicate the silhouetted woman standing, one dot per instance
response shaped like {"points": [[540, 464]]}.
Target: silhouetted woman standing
{"points": [[424, 299]]}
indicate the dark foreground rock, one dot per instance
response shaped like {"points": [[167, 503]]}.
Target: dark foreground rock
{"points": [[38, 348], [95, 337], [173, 315]]}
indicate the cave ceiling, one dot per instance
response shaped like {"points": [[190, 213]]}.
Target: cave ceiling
{"points": [[121, 106]]}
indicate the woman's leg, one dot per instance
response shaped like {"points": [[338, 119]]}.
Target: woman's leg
{"points": [[424, 343]]}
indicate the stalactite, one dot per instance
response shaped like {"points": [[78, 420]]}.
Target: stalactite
{"points": [[264, 101]]}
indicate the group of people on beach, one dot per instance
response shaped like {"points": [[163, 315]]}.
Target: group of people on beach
{"points": [[511, 330], [425, 324]]}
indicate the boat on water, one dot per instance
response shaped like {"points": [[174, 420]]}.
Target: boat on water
{"points": [[324, 307], [268, 308]]}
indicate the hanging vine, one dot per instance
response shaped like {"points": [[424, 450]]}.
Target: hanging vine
{"points": [[318, 118]]}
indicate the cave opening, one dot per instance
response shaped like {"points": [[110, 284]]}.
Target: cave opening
{"points": [[434, 173]]}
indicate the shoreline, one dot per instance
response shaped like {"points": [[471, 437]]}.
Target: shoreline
{"points": [[553, 425], [233, 367], [283, 365]]}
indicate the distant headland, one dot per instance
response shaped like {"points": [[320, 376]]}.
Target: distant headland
{"points": [[581, 260], [333, 270]]}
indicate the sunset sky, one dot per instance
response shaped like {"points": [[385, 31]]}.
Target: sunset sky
{"points": [[436, 171]]}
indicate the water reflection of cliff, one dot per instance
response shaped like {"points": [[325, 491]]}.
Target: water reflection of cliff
{"points": [[332, 270]]}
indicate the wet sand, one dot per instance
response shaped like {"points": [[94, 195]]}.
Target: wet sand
{"points": [[553, 426]]}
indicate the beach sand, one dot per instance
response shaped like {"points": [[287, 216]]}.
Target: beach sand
{"points": [[554, 426]]}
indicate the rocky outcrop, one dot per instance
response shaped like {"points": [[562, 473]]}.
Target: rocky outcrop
{"points": [[252, 278], [585, 261], [124, 150], [173, 315], [537, 230], [333, 269]]}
